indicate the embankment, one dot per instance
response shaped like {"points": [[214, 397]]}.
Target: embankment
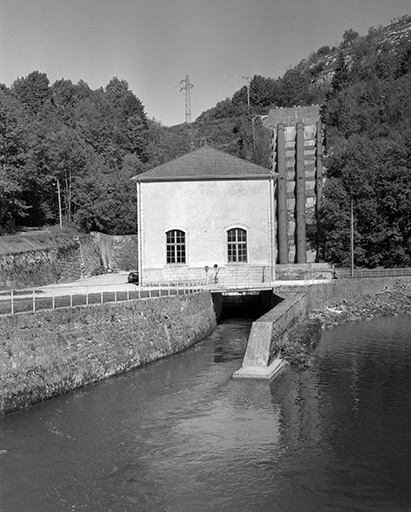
{"points": [[328, 305], [47, 353], [290, 331]]}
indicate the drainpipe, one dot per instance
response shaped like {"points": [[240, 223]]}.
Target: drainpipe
{"points": [[139, 234], [300, 196], [282, 197], [319, 179], [272, 229]]}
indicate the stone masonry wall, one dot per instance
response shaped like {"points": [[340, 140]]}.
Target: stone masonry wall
{"points": [[47, 353], [26, 261]]}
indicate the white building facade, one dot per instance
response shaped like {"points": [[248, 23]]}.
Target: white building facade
{"points": [[206, 216]]}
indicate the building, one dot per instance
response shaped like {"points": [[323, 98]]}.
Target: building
{"points": [[297, 158], [206, 215]]}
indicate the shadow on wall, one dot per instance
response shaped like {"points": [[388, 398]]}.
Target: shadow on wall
{"points": [[45, 258], [117, 252]]}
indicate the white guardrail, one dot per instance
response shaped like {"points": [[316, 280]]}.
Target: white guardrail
{"points": [[60, 296]]}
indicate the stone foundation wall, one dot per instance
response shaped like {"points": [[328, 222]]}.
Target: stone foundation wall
{"points": [[48, 353]]}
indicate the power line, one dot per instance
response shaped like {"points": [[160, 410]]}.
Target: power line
{"points": [[166, 102], [231, 89]]}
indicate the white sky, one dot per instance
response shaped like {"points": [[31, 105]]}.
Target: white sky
{"points": [[154, 44]]}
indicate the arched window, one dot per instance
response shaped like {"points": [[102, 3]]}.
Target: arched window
{"points": [[176, 246], [237, 245]]}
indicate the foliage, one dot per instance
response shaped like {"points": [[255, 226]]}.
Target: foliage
{"points": [[89, 142], [367, 114]]}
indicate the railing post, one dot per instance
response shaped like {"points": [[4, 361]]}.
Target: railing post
{"points": [[34, 300], [86, 295], [53, 299], [12, 302], [115, 295], [101, 297], [71, 298]]}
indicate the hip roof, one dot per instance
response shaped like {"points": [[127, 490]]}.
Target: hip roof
{"points": [[205, 163]]}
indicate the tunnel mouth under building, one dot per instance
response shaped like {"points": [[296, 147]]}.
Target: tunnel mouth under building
{"points": [[244, 304]]}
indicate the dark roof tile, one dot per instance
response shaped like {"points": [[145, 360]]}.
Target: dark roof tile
{"points": [[204, 162]]}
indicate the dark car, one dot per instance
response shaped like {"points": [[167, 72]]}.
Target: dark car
{"points": [[133, 277]]}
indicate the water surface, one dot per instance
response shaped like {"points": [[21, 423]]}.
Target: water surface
{"points": [[181, 435]]}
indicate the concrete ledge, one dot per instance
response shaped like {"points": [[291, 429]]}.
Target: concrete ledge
{"points": [[261, 372], [267, 332], [270, 327]]}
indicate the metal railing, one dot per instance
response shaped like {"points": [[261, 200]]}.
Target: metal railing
{"points": [[361, 273], [314, 276], [36, 299]]}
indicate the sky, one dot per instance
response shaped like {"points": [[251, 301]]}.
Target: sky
{"points": [[155, 44]]}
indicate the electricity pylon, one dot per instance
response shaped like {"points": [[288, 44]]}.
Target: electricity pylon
{"points": [[186, 88]]}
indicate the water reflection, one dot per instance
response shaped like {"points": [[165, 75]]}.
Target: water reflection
{"points": [[181, 435]]}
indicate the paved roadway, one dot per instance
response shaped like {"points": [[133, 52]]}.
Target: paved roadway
{"points": [[115, 282]]}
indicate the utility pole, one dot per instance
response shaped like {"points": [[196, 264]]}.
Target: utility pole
{"points": [[59, 200], [186, 88], [248, 80], [252, 122], [352, 235]]}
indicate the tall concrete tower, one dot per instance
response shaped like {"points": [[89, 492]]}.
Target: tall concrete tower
{"points": [[297, 158]]}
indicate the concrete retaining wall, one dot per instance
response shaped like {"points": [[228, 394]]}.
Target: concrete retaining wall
{"points": [[267, 332], [316, 296], [48, 353]]}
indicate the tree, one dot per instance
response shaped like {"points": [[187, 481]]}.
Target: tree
{"points": [[33, 91], [14, 140]]}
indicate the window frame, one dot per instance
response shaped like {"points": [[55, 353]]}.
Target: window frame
{"points": [[237, 245], [176, 247]]}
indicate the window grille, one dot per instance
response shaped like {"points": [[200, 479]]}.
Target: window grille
{"points": [[237, 245], [176, 246]]}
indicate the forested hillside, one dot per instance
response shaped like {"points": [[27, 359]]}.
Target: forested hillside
{"points": [[367, 115], [92, 141]]}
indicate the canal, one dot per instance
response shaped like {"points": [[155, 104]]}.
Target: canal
{"points": [[181, 435]]}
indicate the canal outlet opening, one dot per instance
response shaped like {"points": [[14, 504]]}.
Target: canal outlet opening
{"points": [[244, 304]]}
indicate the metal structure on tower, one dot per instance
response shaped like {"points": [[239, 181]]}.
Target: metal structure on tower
{"points": [[187, 86]]}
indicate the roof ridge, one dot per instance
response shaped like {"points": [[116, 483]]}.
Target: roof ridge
{"points": [[204, 161]]}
